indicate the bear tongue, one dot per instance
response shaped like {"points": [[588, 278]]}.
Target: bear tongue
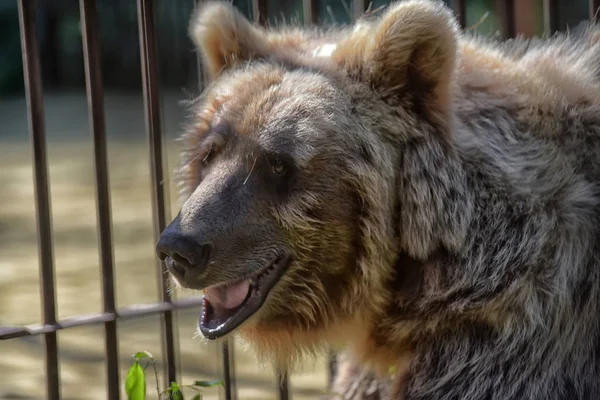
{"points": [[228, 297]]}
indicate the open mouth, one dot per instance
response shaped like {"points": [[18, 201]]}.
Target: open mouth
{"points": [[227, 305]]}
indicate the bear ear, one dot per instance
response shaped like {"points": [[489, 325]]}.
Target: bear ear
{"points": [[410, 50], [225, 37]]}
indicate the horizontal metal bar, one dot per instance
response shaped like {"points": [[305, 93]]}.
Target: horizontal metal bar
{"points": [[130, 312]]}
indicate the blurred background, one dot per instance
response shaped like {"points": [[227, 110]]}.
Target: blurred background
{"points": [[73, 203]]}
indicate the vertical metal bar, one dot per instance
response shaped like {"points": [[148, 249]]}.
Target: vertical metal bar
{"points": [[525, 16], [227, 367], [202, 75], [594, 9], [506, 13], [551, 21], [35, 116], [150, 83], [332, 366], [359, 6], [259, 11], [93, 80], [283, 385], [460, 9], [309, 8]]}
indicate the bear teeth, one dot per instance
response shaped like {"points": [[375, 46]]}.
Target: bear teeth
{"points": [[264, 273]]}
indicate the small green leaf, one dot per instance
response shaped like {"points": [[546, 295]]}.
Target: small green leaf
{"points": [[141, 355], [135, 384], [209, 383], [197, 397], [176, 393]]}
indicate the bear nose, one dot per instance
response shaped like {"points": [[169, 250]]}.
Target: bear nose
{"points": [[182, 254]]}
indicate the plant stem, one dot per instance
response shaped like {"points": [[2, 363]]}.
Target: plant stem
{"points": [[155, 377]]}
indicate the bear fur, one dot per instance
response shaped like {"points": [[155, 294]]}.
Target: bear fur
{"points": [[443, 213]]}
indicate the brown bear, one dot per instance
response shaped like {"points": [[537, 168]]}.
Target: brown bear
{"points": [[427, 200]]}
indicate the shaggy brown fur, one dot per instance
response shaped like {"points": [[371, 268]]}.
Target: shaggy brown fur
{"points": [[440, 202]]}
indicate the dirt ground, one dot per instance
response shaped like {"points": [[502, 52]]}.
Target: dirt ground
{"points": [[77, 267]]}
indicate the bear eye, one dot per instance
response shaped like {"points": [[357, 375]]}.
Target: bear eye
{"points": [[277, 167]]}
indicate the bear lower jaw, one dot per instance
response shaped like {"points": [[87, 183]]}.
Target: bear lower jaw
{"points": [[216, 321]]}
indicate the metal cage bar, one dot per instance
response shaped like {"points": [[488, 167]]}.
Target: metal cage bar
{"points": [[359, 8], [259, 11], [131, 312], [202, 75], [93, 78], [460, 10], [309, 8], [227, 358], [283, 385], [594, 6], [506, 14], [35, 116], [150, 83], [551, 21]]}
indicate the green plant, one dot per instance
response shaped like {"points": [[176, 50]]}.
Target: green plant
{"points": [[135, 383]]}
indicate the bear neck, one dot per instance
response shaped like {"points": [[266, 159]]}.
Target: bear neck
{"points": [[432, 217]]}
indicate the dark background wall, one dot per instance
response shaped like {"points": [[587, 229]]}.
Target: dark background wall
{"points": [[60, 36]]}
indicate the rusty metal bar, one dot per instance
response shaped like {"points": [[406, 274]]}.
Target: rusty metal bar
{"points": [[506, 14], [131, 312], [259, 11], [551, 20], [283, 385], [359, 8], [594, 9], [150, 83], [331, 366], [202, 75], [309, 8], [460, 9], [228, 377], [93, 80], [35, 116]]}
